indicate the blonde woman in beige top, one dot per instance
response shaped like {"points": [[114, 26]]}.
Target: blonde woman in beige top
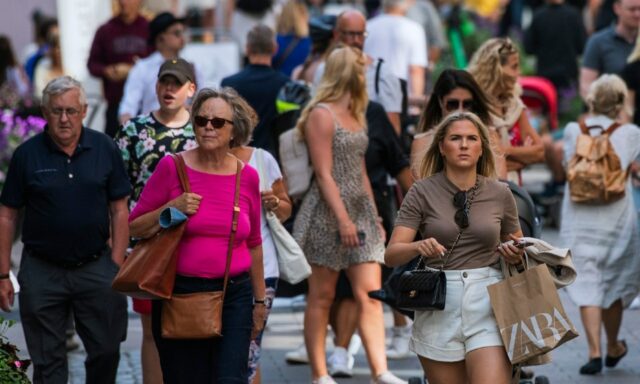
{"points": [[468, 221]]}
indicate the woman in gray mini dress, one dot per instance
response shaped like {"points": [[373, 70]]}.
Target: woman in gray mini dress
{"points": [[337, 225]]}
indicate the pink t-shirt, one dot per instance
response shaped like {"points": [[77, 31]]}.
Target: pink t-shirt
{"points": [[203, 249]]}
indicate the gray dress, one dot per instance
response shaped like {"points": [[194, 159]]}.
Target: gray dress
{"points": [[316, 227]]}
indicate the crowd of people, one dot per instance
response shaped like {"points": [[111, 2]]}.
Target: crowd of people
{"points": [[409, 158]]}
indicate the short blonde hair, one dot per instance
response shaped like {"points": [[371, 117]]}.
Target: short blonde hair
{"points": [[607, 96], [293, 19], [486, 67], [343, 73], [433, 161], [244, 117]]}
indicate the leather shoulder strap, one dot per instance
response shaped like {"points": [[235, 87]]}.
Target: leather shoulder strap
{"points": [[234, 226], [612, 128], [182, 173], [583, 126]]}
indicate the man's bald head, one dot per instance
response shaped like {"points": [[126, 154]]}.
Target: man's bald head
{"points": [[351, 28]]}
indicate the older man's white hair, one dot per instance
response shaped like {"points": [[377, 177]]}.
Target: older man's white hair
{"points": [[61, 85]]}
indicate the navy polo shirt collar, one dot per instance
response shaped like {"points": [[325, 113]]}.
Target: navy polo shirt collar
{"points": [[83, 142]]}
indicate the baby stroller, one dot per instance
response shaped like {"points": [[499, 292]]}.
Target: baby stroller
{"points": [[531, 227], [541, 99]]}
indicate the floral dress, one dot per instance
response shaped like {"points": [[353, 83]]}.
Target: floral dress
{"points": [[143, 141]]}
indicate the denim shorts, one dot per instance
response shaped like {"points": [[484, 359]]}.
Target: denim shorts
{"points": [[467, 322]]}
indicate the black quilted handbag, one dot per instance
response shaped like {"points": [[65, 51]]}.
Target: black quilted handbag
{"points": [[422, 290]]}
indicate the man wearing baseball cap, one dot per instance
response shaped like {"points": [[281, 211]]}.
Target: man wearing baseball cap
{"points": [[143, 141], [166, 34]]}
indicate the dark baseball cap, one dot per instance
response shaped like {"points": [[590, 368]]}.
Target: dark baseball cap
{"points": [[161, 23], [181, 69]]}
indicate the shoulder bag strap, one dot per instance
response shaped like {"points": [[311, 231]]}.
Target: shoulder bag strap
{"points": [[377, 77], [234, 226], [182, 174], [583, 127], [287, 52], [612, 128]]}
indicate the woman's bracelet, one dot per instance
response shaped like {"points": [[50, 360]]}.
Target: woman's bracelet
{"points": [[260, 301]]}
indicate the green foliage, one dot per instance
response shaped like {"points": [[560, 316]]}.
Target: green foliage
{"points": [[12, 369]]}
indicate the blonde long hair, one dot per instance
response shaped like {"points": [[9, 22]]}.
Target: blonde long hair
{"points": [[293, 19], [433, 162], [486, 67], [343, 73]]}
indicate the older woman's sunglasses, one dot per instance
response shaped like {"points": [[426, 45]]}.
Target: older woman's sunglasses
{"points": [[455, 104], [216, 122], [462, 214]]}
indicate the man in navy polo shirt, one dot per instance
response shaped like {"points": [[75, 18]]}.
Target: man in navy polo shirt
{"points": [[607, 51], [72, 184]]}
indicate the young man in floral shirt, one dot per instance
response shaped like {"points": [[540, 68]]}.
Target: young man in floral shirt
{"points": [[143, 141]]}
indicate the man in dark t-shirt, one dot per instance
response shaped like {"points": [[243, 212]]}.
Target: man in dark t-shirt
{"points": [[71, 182], [259, 84]]}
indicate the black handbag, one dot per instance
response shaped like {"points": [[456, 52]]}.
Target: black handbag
{"points": [[424, 288]]}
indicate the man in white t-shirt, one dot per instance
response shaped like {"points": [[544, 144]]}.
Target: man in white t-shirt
{"points": [[382, 85], [401, 43]]}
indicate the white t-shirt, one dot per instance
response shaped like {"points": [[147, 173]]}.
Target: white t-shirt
{"points": [[269, 173], [399, 41], [389, 90]]}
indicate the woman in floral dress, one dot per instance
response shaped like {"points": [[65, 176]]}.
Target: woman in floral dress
{"points": [[143, 141]]}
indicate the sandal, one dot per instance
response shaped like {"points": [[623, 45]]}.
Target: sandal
{"points": [[611, 361]]}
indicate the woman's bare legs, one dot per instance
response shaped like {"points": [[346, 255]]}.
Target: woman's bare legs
{"points": [[322, 285], [150, 360], [612, 319], [366, 277], [488, 365], [592, 321], [438, 372], [484, 365]]}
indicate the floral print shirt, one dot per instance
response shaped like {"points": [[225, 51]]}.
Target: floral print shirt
{"points": [[143, 141]]}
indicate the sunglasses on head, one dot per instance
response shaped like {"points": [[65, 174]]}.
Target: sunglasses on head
{"points": [[216, 122], [454, 104], [462, 214]]}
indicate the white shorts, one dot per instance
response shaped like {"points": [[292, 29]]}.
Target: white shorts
{"points": [[466, 323]]}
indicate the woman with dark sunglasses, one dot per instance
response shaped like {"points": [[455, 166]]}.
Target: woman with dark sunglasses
{"points": [[454, 91], [222, 120], [468, 221], [496, 67]]}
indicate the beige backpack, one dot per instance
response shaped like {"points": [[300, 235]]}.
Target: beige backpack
{"points": [[595, 174]]}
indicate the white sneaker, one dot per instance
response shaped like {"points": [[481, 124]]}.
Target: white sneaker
{"points": [[340, 363], [635, 304], [297, 356], [354, 344], [324, 380], [388, 378], [399, 348]]}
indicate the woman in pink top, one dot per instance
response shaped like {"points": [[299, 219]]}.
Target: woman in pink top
{"points": [[220, 118]]}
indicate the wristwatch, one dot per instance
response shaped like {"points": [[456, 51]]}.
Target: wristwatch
{"points": [[262, 301], [4, 276]]}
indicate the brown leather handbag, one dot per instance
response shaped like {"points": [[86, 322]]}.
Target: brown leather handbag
{"points": [[150, 269], [199, 315]]}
